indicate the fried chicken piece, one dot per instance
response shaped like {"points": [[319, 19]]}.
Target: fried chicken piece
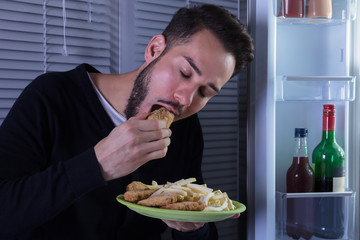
{"points": [[137, 195], [159, 200], [186, 206], [162, 113], [136, 185]]}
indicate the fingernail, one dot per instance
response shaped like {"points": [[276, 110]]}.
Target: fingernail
{"points": [[162, 124]]}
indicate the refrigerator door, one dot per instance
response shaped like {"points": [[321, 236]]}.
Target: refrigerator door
{"points": [[261, 124], [354, 165], [300, 65]]}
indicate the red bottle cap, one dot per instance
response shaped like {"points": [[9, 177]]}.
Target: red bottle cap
{"points": [[329, 108], [329, 117]]}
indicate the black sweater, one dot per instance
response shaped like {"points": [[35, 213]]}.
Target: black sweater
{"points": [[51, 186]]}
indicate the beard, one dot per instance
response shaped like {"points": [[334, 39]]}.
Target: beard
{"points": [[140, 90]]}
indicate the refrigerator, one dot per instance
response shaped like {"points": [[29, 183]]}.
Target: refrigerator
{"points": [[301, 63]]}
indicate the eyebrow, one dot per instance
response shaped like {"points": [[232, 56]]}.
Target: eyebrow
{"points": [[197, 70], [193, 65]]}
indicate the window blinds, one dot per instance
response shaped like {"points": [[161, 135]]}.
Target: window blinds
{"points": [[38, 36]]}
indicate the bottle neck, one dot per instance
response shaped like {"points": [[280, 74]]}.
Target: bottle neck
{"points": [[300, 147], [328, 135], [329, 123]]}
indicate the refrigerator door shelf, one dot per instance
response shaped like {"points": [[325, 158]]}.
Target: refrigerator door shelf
{"points": [[342, 10], [317, 194], [315, 88], [314, 21], [316, 211]]}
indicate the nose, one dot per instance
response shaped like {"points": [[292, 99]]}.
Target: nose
{"points": [[185, 95]]}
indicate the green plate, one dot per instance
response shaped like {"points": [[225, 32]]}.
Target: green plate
{"points": [[182, 216]]}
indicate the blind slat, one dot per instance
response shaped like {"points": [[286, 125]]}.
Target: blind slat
{"points": [[19, 65], [10, 93], [18, 36], [11, 84], [7, 45]]}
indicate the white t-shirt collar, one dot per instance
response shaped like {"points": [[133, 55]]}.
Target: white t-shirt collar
{"points": [[115, 116]]}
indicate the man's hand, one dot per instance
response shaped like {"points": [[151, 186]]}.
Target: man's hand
{"points": [[189, 226], [131, 145], [184, 226], [237, 215]]}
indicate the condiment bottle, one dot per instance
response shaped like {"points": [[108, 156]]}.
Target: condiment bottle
{"points": [[300, 179], [319, 9], [293, 8]]}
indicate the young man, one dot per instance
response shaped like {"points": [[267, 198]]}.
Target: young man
{"points": [[74, 140]]}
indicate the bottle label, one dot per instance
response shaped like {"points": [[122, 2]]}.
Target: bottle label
{"points": [[338, 179]]}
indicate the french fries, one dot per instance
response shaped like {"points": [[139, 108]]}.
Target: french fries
{"points": [[187, 190]]}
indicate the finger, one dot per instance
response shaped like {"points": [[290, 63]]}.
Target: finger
{"points": [[198, 225], [139, 138], [147, 125], [151, 136], [156, 154], [184, 226], [237, 215], [156, 149], [160, 123]]}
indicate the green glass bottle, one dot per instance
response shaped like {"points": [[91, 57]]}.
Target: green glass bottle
{"points": [[328, 157], [328, 164]]}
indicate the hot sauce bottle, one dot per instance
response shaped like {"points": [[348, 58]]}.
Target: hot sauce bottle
{"points": [[293, 8], [300, 179]]}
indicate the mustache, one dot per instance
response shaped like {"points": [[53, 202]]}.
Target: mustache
{"points": [[178, 107]]}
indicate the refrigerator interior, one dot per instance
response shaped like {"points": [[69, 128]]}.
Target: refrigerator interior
{"points": [[312, 68]]}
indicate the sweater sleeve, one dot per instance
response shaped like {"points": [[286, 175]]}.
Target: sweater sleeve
{"points": [[33, 189]]}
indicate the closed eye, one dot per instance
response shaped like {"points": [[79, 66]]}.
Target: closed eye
{"points": [[201, 93], [208, 91], [185, 75]]}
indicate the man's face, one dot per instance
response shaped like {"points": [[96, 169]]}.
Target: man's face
{"points": [[184, 79]]}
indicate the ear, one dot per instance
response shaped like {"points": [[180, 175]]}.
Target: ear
{"points": [[155, 47]]}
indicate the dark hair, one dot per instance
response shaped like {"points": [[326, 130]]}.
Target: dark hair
{"points": [[224, 25]]}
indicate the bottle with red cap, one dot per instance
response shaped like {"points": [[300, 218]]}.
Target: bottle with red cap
{"points": [[328, 164]]}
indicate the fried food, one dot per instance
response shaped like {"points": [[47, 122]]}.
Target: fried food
{"points": [[137, 195], [186, 206], [136, 185], [159, 200], [162, 113], [183, 194]]}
